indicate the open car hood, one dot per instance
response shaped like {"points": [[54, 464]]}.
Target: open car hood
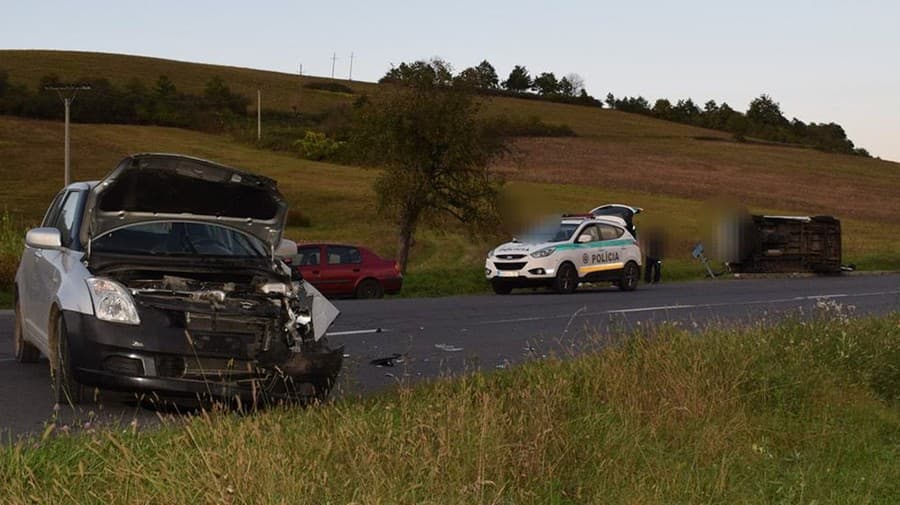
{"points": [[169, 187]]}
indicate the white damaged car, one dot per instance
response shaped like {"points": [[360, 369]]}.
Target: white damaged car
{"points": [[561, 254]]}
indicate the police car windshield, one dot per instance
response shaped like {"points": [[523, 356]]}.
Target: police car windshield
{"points": [[550, 232]]}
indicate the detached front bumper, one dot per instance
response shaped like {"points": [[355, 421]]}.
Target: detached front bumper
{"points": [[162, 358]]}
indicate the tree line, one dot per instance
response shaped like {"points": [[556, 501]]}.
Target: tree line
{"points": [[483, 78], [134, 103], [763, 120]]}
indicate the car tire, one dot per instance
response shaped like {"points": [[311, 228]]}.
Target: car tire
{"points": [[566, 280], [501, 288], [369, 288], [631, 274], [25, 352], [66, 390]]}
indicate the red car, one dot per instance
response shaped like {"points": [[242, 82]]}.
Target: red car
{"points": [[346, 270]]}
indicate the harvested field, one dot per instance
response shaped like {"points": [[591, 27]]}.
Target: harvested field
{"points": [[776, 177]]}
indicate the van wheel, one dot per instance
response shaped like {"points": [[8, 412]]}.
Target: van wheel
{"points": [[65, 389], [369, 288], [566, 279], [630, 275], [25, 352]]}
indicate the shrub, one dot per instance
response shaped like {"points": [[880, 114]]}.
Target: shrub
{"points": [[317, 146], [10, 249], [531, 126], [334, 87]]}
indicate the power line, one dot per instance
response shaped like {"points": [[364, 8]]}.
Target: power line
{"points": [[66, 93]]}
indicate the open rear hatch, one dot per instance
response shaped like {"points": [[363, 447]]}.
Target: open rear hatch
{"points": [[625, 212]]}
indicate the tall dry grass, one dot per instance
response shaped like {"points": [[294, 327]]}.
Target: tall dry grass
{"points": [[11, 245], [805, 411]]}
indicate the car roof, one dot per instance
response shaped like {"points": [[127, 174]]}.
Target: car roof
{"points": [[81, 185], [613, 220]]}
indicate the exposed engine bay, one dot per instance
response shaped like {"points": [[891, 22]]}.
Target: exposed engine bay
{"points": [[241, 326]]}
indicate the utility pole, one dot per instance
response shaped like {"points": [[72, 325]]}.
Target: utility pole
{"points": [[300, 88], [67, 94], [258, 114], [333, 59], [350, 75]]}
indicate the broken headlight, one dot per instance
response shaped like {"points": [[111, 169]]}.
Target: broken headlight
{"points": [[112, 302]]}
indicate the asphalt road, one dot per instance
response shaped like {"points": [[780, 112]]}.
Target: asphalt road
{"points": [[426, 338]]}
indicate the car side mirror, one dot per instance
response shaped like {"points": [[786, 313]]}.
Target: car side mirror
{"points": [[286, 248], [43, 238], [584, 238]]}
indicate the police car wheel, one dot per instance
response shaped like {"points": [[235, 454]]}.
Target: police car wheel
{"points": [[566, 279], [501, 288], [630, 275]]}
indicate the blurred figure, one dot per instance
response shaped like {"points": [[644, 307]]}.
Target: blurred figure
{"points": [[653, 242]]}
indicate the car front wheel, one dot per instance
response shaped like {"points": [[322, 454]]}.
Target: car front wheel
{"points": [[65, 389], [566, 279], [25, 352]]}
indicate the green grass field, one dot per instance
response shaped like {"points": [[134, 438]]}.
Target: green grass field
{"points": [[338, 201], [801, 412], [667, 168]]}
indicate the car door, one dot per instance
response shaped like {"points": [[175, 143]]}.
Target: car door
{"points": [[610, 239], [341, 269], [48, 265], [30, 281], [309, 263], [589, 245]]}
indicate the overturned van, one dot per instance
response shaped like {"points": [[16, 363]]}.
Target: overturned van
{"points": [[761, 244]]}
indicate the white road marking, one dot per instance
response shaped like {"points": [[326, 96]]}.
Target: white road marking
{"points": [[520, 319], [691, 306], [355, 332], [820, 297], [6, 359], [646, 309]]}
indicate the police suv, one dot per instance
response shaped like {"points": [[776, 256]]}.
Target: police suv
{"points": [[561, 254]]}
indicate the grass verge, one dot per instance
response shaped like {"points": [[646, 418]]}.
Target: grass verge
{"points": [[11, 244], [803, 411]]}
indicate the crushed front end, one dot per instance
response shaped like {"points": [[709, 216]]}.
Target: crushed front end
{"points": [[211, 331]]}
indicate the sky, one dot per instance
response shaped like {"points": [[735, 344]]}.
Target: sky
{"points": [[823, 61]]}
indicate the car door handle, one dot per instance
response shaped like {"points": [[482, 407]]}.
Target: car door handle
{"points": [[315, 272], [356, 270]]}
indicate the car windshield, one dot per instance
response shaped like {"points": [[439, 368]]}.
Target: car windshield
{"points": [[179, 239], [550, 231]]}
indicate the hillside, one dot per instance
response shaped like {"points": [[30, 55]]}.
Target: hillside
{"points": [[614, 150], [665, 167]]}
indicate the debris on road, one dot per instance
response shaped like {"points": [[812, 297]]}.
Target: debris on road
{"points": [[390, 361]]}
